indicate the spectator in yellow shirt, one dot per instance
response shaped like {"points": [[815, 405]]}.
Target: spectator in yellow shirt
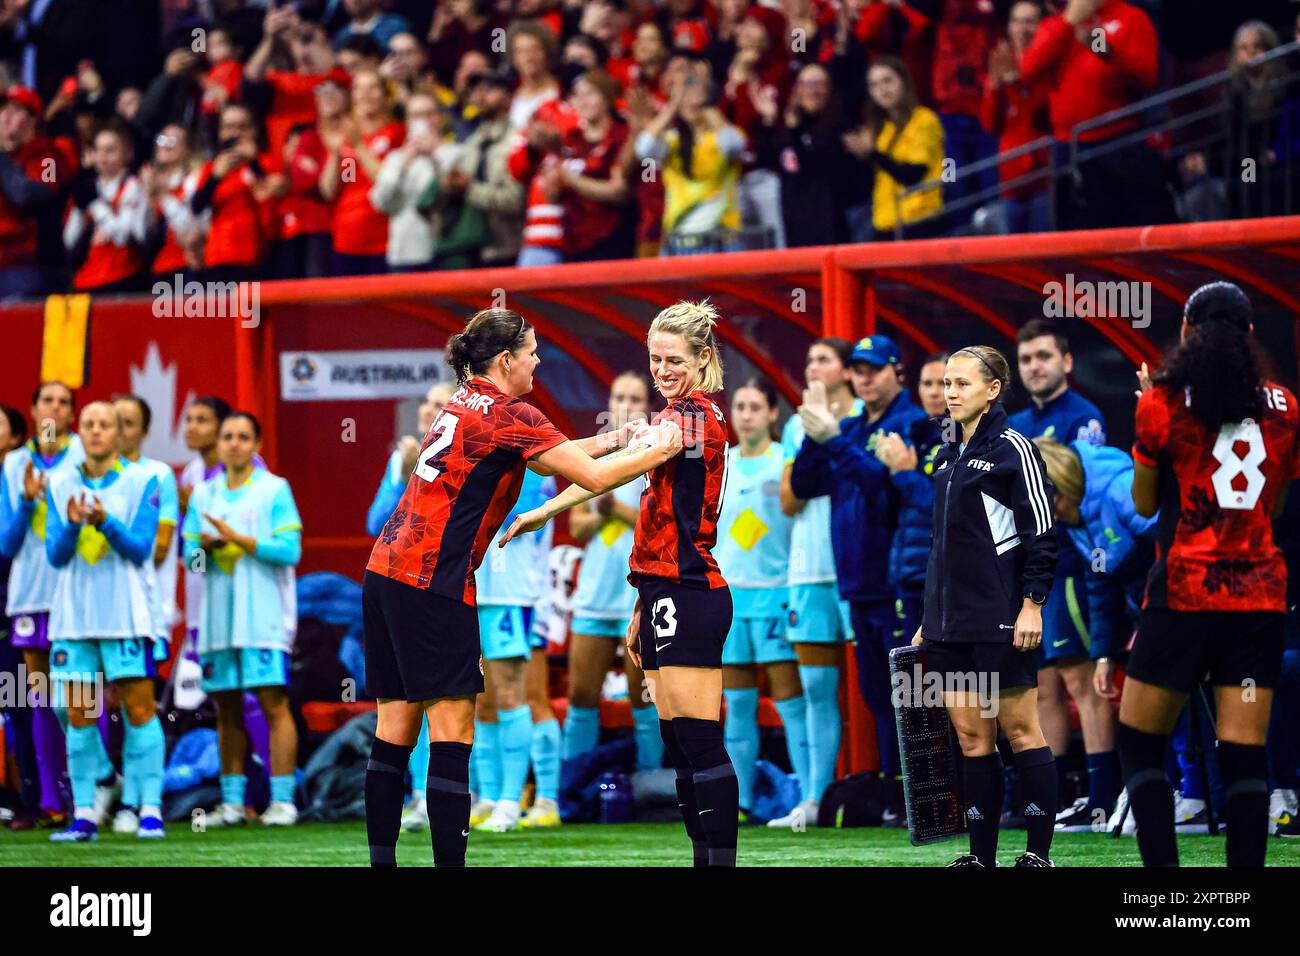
{"points": [[902, 142]]}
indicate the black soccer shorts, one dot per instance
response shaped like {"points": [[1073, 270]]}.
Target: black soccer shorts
{"points": [[682, 626], [419, 645], [1177, 649]]}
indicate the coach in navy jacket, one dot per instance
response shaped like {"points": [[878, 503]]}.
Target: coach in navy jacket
{"points": [[840, 460]]}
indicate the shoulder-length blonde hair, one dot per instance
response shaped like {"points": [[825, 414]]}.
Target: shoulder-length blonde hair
{"points": [[694, 322]]}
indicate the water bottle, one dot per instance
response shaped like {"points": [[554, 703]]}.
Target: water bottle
{"points": [[615, 798]]}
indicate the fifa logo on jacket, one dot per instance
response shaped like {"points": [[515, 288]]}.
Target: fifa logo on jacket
{"points": [[981, 465]]}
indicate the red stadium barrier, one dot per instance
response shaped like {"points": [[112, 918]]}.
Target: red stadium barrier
{"points": [[591, 319]]}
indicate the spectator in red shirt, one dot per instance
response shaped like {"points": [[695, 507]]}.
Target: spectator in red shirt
{"points": [[1098, 56], [305, 215], [650, 50], [292, 99], [760, 68], [234, 185], [105, 229], [577, 187], [221, 82], [358, 231], [964, 33], [33, 170], [169, 183], [1016, 112]]}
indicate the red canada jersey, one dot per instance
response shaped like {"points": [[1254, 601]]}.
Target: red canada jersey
{"points": [[465, 482], [678, 524], [1214, 538]]}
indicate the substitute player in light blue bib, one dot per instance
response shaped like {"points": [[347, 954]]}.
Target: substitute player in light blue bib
{"points": [[753, 552], [100, 527], [603, 600], [509, 585], [817, 622], [25, 478], [242, 528], [160, 570]]}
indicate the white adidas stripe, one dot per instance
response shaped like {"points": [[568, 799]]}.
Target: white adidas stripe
{"points": [[1033, 480]]}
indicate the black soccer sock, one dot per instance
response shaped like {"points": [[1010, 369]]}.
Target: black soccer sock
{"points": [[716, 790], [1038, 784], [983, 785], [1245, 781], [385, 788], [1150, 798], [686, 803], [447, 798]]}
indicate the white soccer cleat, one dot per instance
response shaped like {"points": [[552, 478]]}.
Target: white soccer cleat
{"points": [[504, 818], [105, 796], [1125, 813], [225, 815], [480, 811], [1281, 809], [1189, 814], [126, 821], [281, 813], [543, 814], [416, 816], [799, 819]]}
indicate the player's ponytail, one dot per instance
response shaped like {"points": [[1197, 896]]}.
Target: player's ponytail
{"points": [[694, 322], [488, 334], [1218, 361]]}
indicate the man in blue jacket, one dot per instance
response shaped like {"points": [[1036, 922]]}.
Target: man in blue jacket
{"points": [[838, 458], [1068, 651]]}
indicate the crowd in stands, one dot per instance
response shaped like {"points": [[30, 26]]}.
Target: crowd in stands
{"points": [[236, 139]]}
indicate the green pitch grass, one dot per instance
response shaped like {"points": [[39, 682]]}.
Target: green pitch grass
{"points": [[641, 845]]}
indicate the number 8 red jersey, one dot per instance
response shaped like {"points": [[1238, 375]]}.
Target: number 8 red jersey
{"points": [[678, 524], [1214, 538], [464, 484]]}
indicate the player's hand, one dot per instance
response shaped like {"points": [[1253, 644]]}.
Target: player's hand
{"points": [[896, 454], [670, 439], [1029, 626], [33, 482], [409, 448], [1144, 380], [632, 640], [76, 510], [917, 639], [224, 531], [818, 423], [1103, 679], [604, 505], [96, 514], [209, 541], [533, 520]]}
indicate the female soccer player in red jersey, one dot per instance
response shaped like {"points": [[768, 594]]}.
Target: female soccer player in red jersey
{"points": [[1215, 448], [421, 628], [683, 608]]}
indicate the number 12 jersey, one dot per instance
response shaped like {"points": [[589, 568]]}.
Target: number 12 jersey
{"points": [[465, 482]]}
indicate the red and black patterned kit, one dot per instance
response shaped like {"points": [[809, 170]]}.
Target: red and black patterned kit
{"points": [[686, 606], [422, 639]]}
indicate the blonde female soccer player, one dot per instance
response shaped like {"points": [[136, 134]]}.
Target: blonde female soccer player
{"points": [[683, 609], [101, 522]]}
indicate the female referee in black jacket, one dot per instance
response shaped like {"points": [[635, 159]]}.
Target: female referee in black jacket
{"points": [[991, 566]]}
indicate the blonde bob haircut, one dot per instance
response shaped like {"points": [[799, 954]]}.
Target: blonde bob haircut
{"points": [[694, 322], [1064, 469]]}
